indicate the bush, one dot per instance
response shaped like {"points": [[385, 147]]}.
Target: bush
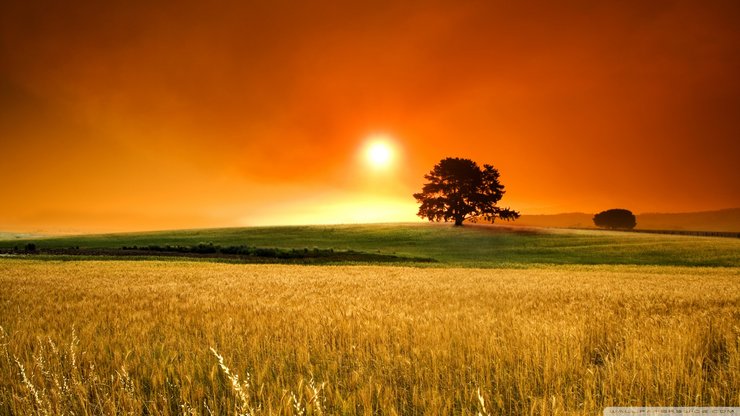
{"points": [[615, 219], [265, 252], [205, 248]]}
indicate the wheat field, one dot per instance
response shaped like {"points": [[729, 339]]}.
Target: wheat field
{"points": [[166, 338]]}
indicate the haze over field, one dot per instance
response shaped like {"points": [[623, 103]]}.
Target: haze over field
{"points": [[132, 116], [721, 220]]}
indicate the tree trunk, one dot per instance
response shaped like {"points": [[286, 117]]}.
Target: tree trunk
{"points": [[458, 222]]}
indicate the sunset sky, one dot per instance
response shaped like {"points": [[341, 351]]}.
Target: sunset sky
{"points": [[134, 115]]}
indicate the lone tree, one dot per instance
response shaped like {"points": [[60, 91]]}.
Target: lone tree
{"points": [[458, 190], [615, 219]]}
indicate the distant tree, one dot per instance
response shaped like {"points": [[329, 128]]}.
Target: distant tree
{"points": [[458, 190], [615, 219]]}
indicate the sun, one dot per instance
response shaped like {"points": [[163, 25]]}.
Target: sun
{"points": [[379, 151]]}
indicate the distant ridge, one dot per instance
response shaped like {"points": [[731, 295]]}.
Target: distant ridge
{"points": [[719, 220]]}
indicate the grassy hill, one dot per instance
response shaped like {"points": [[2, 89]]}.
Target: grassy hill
{"points": [[468, 246]]}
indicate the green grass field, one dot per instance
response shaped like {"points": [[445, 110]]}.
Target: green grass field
{"points": [[468, 246]]}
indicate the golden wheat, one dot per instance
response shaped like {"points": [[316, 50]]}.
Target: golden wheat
{"points": [[169, 338]]}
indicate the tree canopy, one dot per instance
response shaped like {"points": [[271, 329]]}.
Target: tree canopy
{"points": [[458, 189], [615, 219]]}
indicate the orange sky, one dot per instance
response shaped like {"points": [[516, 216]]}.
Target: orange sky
{"points": [[144, 115]]}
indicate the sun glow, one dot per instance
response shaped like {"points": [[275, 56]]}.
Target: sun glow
{"points": [[379, 151]]}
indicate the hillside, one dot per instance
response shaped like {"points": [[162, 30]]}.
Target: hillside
{"points": [[468, 246], [720, 220]]}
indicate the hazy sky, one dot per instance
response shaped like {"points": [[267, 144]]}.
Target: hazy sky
{"points": [[150, 115]]}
